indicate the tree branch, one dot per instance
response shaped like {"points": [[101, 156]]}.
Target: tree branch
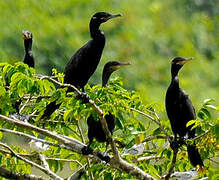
{"points": [[34, 138], [88, 161], [76, 146], [116, 161], [14, 175], [95, 107], [151, 118], [175, 151], [77, 174], [147, 158], [50, 173]]}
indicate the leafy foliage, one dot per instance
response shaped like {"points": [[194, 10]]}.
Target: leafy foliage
{"points": [[20, 83]]}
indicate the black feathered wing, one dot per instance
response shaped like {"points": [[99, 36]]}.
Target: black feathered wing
{"points": [[187, 112]]}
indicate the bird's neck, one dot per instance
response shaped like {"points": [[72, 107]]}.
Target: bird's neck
{"points": [[175, 82], [28, 45], [174, 75], [105, 77], [95, 32]]}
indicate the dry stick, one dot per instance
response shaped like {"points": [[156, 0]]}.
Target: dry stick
{"points": [[50, 173], [77, 174], [88, 161], [14, 175], [203, 134], [147, 158], [175, 151], [72, 144], [45, 164], [47, 158], [150, 117], [20, 154], [25, 104], [34, 138], [116, 161]]}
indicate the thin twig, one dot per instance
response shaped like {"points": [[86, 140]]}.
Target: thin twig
{"points": [[203, 134], [50, 173], [70, 145], [14, 175], [20, 154], [157, 121], [34, 138], [147, 158], [77, 174], [45, 164], [175, 151], [25, 104], [88, 160]]}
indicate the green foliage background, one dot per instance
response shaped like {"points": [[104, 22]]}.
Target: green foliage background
{"points": [[149, 34]]}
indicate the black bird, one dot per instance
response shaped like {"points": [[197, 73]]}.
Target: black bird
{"points": [[180, 111], [95, 129], [28, 58], [84, 62], [28, 39]]}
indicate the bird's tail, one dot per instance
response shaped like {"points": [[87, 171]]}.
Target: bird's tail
{"points": [[194, 156]]}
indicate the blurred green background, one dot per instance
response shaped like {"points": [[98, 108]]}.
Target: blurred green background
{"points": [[149, 35]]}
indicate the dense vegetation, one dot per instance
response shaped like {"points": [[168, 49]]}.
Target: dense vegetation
{"points": [[149, 35], [137, 122]]}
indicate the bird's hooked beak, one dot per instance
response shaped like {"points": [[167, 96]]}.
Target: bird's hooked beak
{"points": [[112, 16], [26, 34], [116, 67], [185, 61]]}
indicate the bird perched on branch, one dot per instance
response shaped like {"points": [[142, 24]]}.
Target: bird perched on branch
{"points": [[180, 111], [95, 129], [84, 62], [28, 39]]}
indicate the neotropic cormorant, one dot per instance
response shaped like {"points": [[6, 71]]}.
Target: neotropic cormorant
{"points": [[84, 62], [95, 129], [28, 38], [180, 111]]}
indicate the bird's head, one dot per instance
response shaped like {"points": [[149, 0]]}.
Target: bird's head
{"points": [[178, 62], [27, 34], [101, 17], [109, 68], [115, 65]]}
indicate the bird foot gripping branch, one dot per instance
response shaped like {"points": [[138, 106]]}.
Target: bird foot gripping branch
{"points": [[83, 97], [86, 150]]}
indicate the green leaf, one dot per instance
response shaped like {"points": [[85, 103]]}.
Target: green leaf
{"points": [[192, 122], [157, 132], [119, 124], [210, 106], [68, 114]]}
